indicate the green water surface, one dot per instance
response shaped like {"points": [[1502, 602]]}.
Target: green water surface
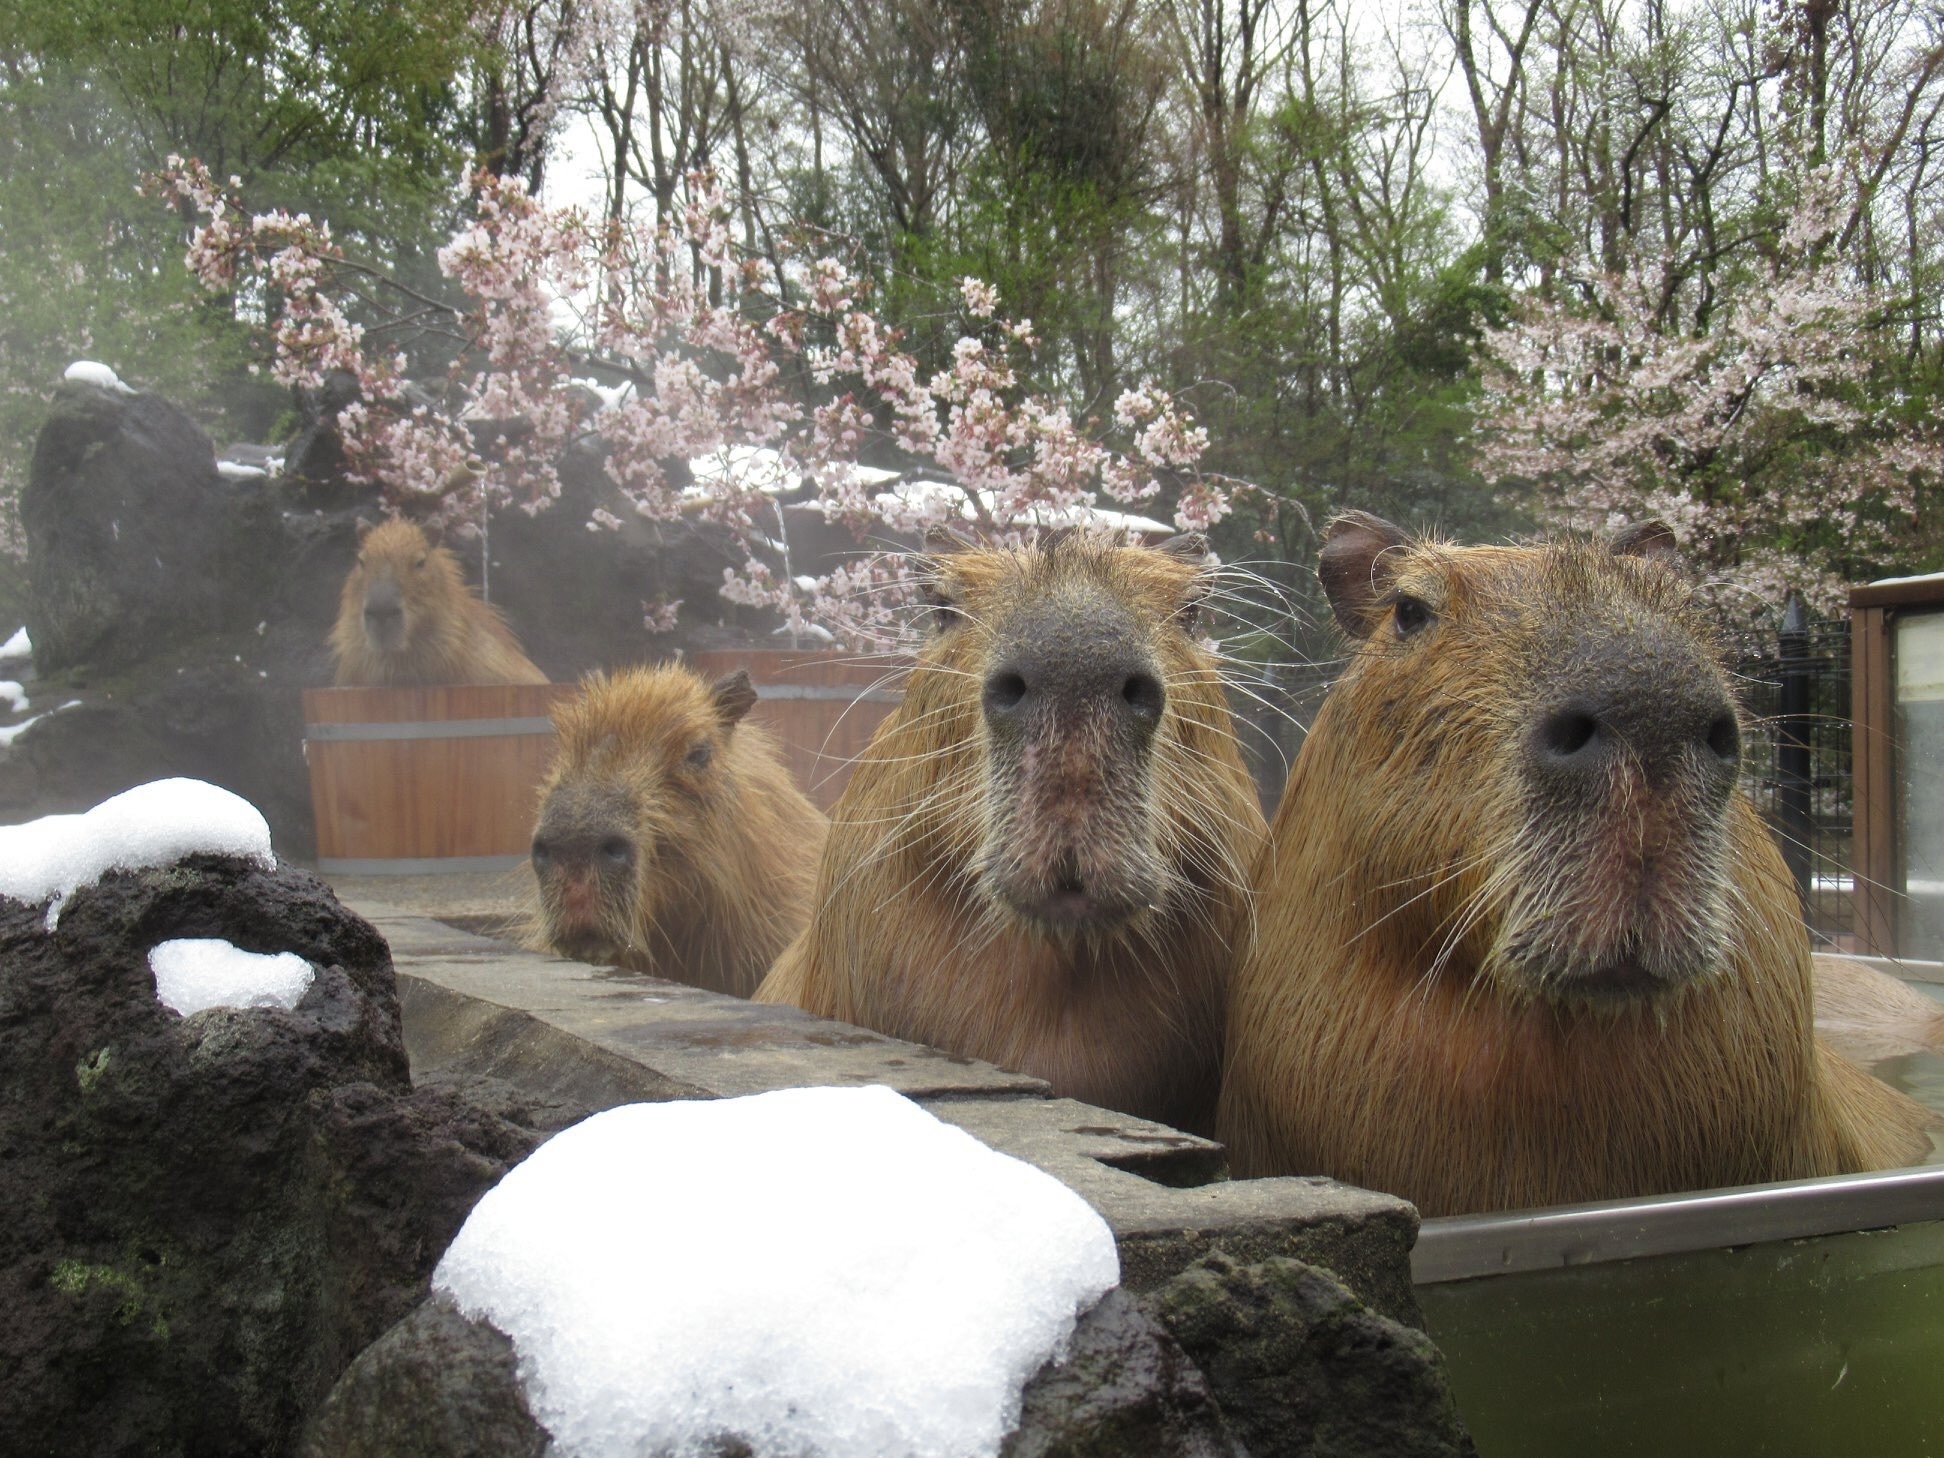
{"points": [[1831, 1347]]}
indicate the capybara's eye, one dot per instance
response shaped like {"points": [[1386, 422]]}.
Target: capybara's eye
{"points": [[1410, 615], [941, 610], [699, 757], [617, 850], [418, 564]]}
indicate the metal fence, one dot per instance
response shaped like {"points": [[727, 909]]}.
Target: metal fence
{"points": [[1795, 686]]}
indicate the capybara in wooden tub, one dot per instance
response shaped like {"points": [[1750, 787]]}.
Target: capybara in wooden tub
{"points": [[1042, 856], [407, 618], [1522, 940], [671, 838]]}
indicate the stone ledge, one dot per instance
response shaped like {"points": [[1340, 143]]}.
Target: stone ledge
{"points": [[472, 1005]]}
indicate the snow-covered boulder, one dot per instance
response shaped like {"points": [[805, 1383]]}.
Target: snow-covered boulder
{"points": [[825, 1271], [208, 1215]]}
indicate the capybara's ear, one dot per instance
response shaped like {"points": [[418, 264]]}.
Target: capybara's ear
{"points": [[942, 540], [366, 526], [1360, 553], [1190, 547], [1652, 539], [735, 696]]}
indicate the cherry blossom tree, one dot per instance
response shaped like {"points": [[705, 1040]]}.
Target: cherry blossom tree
{"points": [[1768, 439], [718, 353]]}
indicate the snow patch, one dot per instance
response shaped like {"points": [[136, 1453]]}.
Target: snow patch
{"points": [[12, 695], [14, 731], [237, 471], [816, 1271], [92, 372], [156, 824], [193, 973], [16, 647]]}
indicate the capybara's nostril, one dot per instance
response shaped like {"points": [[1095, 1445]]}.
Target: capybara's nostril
{"points": [[1144, 695], [1566, 734], [617, 850], [1724, 738], [542, 853], [1005, 691]]}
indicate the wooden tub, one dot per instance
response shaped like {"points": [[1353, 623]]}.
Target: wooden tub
{"points": [[411, 781]]}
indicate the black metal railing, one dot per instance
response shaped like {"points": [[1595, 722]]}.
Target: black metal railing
{"points": [[1795, 686]]}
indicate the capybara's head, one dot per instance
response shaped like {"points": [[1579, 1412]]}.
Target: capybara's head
{"points": [[400, 587], [1069, 713], [1542, 743], [632, 803]]}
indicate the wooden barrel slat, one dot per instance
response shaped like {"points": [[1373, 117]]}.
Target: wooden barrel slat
{"points": [[823, 707], [455, 799]]}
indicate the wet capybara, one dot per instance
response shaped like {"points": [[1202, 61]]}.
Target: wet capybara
{"points": [[406, 617], [1041, 858], [1521, 938], [671, 838]]}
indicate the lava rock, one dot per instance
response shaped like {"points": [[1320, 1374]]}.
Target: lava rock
{"points": [[124, 514], [209, 1216], [1303, 1369], [437, 1385], [442, 1385], [1123, 1387]]}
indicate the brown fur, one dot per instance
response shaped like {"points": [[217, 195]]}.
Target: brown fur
{"points": [[1396, 1024], [448, 636], [918, 931], [722, 845], [1870, 1015]]}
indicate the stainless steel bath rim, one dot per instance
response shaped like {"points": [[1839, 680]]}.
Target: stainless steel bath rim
{"points": [[1465, 1247]]}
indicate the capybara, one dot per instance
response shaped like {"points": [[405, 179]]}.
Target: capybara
{"points": [[1042, 857], [671, 838], [1521, 938], [1870, 1015], [406, 617]]}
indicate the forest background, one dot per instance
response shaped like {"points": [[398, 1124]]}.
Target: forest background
{"points": [[1478, 267]]}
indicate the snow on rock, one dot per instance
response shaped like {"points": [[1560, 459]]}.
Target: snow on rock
{"points": [[12, 696], [14, 731], [193, 973], [237, 471], [91, 372], [156, 824], [826, 1271], [16, 647]]}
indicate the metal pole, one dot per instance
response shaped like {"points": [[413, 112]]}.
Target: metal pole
{"points": [[1792, 772]]}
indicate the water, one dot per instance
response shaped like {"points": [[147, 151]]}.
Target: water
{"points": [[1827, 1348]]}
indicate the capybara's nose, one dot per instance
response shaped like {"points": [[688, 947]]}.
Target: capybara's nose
{"points": [[1122, 684], [1661, 729]]}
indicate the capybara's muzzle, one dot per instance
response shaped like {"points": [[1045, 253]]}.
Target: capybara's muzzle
{"points": [[384, 615], [1071, 704], [585, 858]]}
